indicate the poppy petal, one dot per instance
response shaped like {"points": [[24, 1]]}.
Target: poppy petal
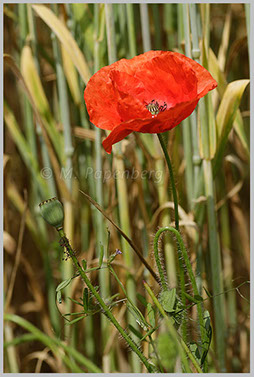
{"points": [[152, 93], [163, 122]]}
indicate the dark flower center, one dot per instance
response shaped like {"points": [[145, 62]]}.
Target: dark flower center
{"points": [[154, 108]]}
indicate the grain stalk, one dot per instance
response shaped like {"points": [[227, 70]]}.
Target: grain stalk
{"points": [[67, 171]]}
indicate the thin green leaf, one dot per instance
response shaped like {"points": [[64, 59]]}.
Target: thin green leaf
{"points": [[74, 313], [148, 333], [75, 320], [142, 299], [151, 314], [75, 301], [59, 297], [207, 343], [208, 293], [63, 284], [196, 299], [86, 299], [84, 264], [135, 331], [138, 316]]}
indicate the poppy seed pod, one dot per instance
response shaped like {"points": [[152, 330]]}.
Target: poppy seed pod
{"points": [[52, 212]]}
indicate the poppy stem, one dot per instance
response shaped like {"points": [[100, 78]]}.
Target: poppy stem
{"points": [[105, 308], [180, 262], [174, 192]]}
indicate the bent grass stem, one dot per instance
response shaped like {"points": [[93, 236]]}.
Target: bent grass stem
{"points": [[130, 242]]}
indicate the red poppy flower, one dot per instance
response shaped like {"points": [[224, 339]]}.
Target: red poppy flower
{"points": [[150, 93]]}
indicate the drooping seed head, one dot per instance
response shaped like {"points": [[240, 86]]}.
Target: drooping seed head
{"points": [[52, 212]]}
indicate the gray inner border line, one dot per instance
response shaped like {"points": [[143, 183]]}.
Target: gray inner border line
{"points": [[251, 180]]}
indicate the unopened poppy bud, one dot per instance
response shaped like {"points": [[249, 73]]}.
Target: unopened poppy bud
{"points": [[52, 212]]}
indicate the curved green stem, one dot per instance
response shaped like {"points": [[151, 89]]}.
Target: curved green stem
{"points": [[183, 252], [105, 308], [180, 263], [159, 266], [190, 272]]}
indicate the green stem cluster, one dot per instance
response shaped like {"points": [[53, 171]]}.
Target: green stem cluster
{"points": [[182, 347], [104, 307], [181, 249], [189, 269]]}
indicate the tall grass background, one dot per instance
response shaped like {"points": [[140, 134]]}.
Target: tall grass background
{"points": [[51, 149]]}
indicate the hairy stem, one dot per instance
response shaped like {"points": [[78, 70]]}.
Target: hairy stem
{"points": [[190, 272], [158, 262], [104, 307], [181, 268]]}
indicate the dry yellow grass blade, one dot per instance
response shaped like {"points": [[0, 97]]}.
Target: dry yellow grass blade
{"points": [[9, 243], [225, 39], [18, 202], [24, 149], [71, 76], [226, 114], [32, 79], [66, 39], [229, 105], [5, 160], [55, 165], [84, 133], [9, 13], [11, 282], [214, 68], [33, 82]]}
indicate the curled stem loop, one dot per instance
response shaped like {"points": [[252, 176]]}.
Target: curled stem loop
{"points": [[189, 269]]}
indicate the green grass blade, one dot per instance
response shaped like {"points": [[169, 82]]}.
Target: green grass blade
{"points": [[225, 117]]}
